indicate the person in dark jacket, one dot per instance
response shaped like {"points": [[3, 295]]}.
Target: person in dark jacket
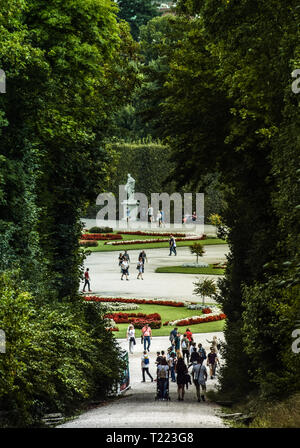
{"points": [[181, 371]]}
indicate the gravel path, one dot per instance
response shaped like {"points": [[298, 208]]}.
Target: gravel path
{"points": [[137, 408]]}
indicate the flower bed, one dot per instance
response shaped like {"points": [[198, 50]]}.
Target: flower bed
{"points": [[159, 240], [125, 318], [140, 323], [139, 232], [197, 306], [214, 315], [141, 301], [100, 236]]}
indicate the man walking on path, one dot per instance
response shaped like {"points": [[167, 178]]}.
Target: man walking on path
{"points": [[144, 257], [147, 336], [199, 375], [124, 269], [87, 280], [145, 366], [185, 348], [172, 244]]}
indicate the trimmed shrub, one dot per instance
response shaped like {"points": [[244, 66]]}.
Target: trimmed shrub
{"points": [[100, 230]]}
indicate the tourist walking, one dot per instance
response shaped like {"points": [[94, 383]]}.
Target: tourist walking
{"points": [[173, 333], [201, 351], [189, 335], [120, 260], [162, 219], [212, 361], [147, 336], [158, 218], [125, 269], [172, 244], [87, 281], [195, 356], [172, 362], [185, 348], [131, 338], [199, 375], [145, 364], [181, 371], [163, 378], [144, 258], [150, 213], [140, 269], [177, 341], [126, 256]]}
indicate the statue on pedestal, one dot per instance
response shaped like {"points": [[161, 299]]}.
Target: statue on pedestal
{"points": [[129, 188]]}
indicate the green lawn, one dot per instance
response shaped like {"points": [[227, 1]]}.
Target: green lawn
{"points": [[169, 313], [108, 248], [190, 270]]}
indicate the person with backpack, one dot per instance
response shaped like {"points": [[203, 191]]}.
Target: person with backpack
{"points": [[199, 375], [163, 378], [145, 363], [185, 348], [195, 356], [181, 371], [147, 336]]}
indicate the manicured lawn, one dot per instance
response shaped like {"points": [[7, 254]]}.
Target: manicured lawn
{"points": [[169, 313], [190, 270], [108, 248]]}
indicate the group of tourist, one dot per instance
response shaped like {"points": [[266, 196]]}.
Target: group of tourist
{"points": [[182, 354], [124, 263]]}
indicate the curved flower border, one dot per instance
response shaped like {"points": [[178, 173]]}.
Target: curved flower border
{"points": [[192, 320]]}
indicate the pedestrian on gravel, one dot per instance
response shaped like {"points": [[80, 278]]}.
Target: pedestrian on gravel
{"points": [[195, 356], [144, 258], [172, 362], [212, 361], [124, 269], [181, 371], [185, 348], [147, 336], [163, 378], [199, 375], [189, 335], [172, 244], [173, 333], [120, 260], [177, 341], [139, 267], [126, 256], [202, 351], [87, 280], [131, 338], [145, 362]]}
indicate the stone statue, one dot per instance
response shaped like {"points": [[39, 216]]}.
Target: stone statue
{"points": [[129, 188]]}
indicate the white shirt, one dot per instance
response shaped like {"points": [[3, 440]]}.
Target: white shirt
{"points": [[131, 333]]}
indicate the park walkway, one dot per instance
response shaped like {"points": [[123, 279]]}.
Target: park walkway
{"points": [[137, 408]]}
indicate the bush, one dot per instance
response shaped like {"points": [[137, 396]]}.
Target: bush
{"points": [[56, 357], [100, 230], [84, 243]]}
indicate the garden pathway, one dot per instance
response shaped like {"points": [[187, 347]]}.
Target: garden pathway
{"points": [[137, 408]]}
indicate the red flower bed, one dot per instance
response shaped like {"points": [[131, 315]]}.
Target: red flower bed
{"points": [[100, 236], [112, 329], [206, 311], [186, 322], [140, 323], [139, 301], [139, 232], [125, 318]]}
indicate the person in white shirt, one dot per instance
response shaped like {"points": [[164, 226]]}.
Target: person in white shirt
{"points": [[124, 269], [131, 337]]}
